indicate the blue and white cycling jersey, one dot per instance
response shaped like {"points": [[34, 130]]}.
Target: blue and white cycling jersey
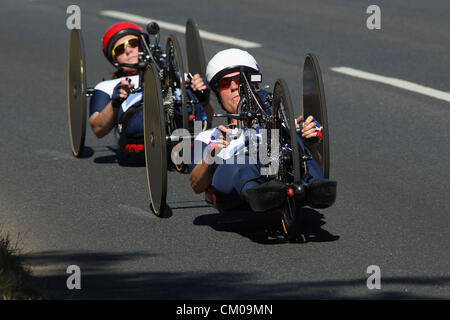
{"points": [[236, 177], [103, 93]]}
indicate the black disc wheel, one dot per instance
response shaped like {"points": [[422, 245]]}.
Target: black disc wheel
{"points": [[174, 94], [314, 104], [289, 164], [155, 141], [194, 49], [76, 93]]}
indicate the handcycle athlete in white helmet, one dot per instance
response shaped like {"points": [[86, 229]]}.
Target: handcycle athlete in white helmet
{"points": [[241, 180], [113, 101]]}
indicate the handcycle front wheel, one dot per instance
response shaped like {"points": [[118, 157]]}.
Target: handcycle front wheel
{"points": [[313, 103], [155, 141], [76, 93], [175, 86], [289, 170]]}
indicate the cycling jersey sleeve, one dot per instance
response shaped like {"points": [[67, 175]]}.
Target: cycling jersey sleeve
{"points": [[98, 102]]}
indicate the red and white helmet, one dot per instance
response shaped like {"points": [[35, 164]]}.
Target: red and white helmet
{"points": [[115, 32], [227, 61]]}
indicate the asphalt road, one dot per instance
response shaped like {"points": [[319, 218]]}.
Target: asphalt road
{"points": [[389, 149]]}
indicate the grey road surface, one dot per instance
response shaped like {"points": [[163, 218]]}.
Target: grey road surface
{"points": [[389, 151]]}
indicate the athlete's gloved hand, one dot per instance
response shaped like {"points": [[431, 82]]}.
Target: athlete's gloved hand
{"points": [[199, 87], [121, 91]]}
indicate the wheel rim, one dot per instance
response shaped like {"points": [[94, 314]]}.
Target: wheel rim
{"points": [[314, 103], [76, 93], [282, 113], [194, 49], [175, 82], [155, 141]]}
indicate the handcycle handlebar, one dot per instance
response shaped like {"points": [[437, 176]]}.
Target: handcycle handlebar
{"points": [[146, 56], [246, 116]]}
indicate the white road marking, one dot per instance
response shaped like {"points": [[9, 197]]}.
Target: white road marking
{"points": [[402, 84], [180, 28]]}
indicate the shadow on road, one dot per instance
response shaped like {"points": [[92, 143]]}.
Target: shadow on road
{"points": [[106, 159], [167, 213], [86, 153], [102, 278], [266, 228], [132, 160], [89, 152]]}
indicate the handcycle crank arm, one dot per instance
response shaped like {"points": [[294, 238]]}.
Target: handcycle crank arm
{"points": [[173, 138], [299, 126], [89, 92], [239, 116], [149, 53]]}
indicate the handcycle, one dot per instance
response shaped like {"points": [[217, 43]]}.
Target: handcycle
{"points": [[163, 74], [178, 106], [292, 159]]}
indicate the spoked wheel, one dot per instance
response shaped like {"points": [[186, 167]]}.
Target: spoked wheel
{"points": [[289, 165], [155, 141], [314, 104], [174, 91], [76, 93]]}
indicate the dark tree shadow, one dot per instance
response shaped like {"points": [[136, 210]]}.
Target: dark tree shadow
{"points": [[266, 228], [102, 279]]}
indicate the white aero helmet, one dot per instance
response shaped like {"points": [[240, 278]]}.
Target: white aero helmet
{"points": [[227, 61]]}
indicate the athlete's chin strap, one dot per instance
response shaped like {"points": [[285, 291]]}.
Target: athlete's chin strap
{"points": [[138, 66], [139, 70], [122, 73]]}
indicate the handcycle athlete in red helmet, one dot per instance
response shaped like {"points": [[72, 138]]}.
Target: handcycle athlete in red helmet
{"points": [[113, 103]]}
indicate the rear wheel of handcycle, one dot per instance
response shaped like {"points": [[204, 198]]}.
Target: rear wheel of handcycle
{"points": [[76, 93], [313, 103], [195, 55], [174, 95], [155, 145], [289, 164]]}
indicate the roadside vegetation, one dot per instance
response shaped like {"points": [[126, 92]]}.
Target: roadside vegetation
{"points": [[16, 282]]}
